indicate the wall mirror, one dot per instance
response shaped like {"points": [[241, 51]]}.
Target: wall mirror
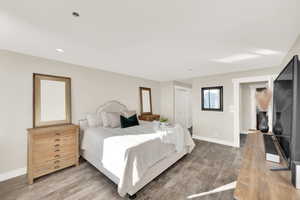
{"points": [[51, 100], [146, 102]]}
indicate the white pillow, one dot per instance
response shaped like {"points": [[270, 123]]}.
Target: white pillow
{"points": [[128, 113], [94, 120], [111, 119]]}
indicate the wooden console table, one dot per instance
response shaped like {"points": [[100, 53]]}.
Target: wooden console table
{"points": [[256, 181], [149, 117]]}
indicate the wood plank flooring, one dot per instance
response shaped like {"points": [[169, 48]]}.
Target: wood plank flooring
{"points": [[209, 166]]}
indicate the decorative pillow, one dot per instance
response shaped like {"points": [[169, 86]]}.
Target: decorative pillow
{"points": [[128, 113], [128, 122], [105, 119], [94, 120], [111, 119]]}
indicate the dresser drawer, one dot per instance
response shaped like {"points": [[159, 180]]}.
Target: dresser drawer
{"points": [[54, 141], [50, 154], [55, 147], [51, 166], [53, 137]]}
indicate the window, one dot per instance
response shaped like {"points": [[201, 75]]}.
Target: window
{"points": [[212, 98]]}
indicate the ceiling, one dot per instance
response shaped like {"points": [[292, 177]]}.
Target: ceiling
{"points": [[158, 39]]}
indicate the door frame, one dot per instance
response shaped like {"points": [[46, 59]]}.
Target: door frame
{"points": [[181, 88], [237, 99]]}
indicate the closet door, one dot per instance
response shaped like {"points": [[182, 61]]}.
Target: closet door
{"points": [[183, 107]]}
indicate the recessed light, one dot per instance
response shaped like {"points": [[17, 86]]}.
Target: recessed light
{"points": [[75, 14], [237, 57], [60, 50]]}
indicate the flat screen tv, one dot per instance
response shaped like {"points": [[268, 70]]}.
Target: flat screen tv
{"points": [[286, 110]]}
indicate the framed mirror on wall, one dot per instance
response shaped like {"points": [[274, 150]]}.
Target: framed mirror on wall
{"points": [[146, 101], [51, 100]]}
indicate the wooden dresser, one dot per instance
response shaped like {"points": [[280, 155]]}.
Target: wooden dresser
{"points": [[51, 149], [256, 181], [149, 117]]}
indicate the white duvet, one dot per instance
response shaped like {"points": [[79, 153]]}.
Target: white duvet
{"points": [[127, 153]]}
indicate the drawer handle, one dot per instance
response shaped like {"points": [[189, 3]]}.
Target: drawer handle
{"points": [[57, 156], [57, 150], [57, 161], [57, 145], [57, 133], [57, 140], [56, 167]]}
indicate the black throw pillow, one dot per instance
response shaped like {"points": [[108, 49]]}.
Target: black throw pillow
{"points": [[128, 122]]}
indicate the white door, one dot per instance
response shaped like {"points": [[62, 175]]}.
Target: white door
{"points": [[183, 108]]}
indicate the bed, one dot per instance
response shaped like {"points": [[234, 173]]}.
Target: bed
{"points": [[132, 157]]}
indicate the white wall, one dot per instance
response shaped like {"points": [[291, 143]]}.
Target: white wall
{"points": [[181, 84], [245, 109], [168, 98], [295, 50], [218, 126], [90, 88]]}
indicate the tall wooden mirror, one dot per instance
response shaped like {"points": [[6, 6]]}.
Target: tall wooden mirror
{"points": [[146, 101], [51, 100]]}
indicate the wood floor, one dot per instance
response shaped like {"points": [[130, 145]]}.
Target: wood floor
{"points": [[209, 166]]}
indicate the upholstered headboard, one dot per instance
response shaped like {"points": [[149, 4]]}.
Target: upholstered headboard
{"points": [[110, 106]]}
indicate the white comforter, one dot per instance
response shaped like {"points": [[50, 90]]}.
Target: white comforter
{"points": [[128, 153]]}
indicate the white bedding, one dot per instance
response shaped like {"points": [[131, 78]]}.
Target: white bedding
{"points": [[127, 153]]}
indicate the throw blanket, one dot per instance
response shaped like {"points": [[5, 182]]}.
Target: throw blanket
{"points": [[130, 152]]}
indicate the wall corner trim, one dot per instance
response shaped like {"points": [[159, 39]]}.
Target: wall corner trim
{"points": [[214, 140], [14, 173]]}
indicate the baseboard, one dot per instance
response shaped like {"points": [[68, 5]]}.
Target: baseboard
{"points": [[244, 132], [213, 140], [13, 173]]}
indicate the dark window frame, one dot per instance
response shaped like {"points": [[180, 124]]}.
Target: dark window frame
{"points": [[220, 88]]}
